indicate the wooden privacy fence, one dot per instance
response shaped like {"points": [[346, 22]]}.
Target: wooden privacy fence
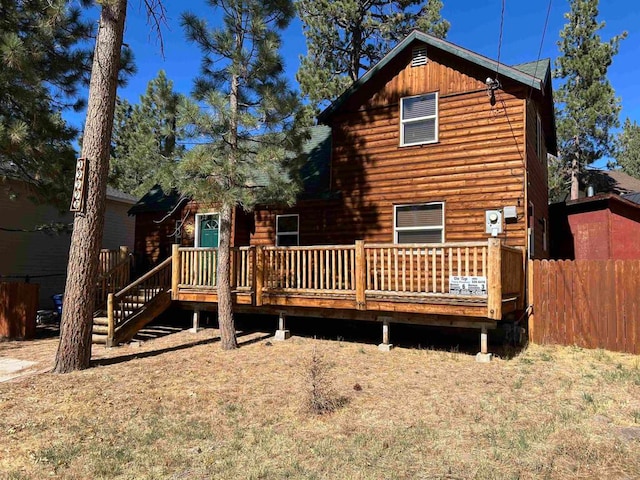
{"points": [[589, 303], [18, 307]]}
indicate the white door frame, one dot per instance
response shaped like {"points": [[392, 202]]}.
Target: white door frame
{"points": [[196, 240]]}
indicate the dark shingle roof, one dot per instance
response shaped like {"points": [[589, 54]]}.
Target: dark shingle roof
{"points": [[536, 69], [612, 181], [118, 196], [317, 160], [155, 200], [632, 197], [314, 174]]}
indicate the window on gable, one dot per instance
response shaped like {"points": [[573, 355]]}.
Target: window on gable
{"points": [[287, 230], [419, 119], [419, 223]]}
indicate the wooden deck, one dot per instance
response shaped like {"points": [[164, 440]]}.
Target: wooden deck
{"points": [[360, 281]]}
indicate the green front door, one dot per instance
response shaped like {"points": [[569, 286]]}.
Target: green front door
{"points": [[209, 229]]}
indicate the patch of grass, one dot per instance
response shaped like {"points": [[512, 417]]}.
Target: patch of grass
{"points": [[199, 412]]}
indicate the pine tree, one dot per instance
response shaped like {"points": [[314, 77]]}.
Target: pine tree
{"points": [[628, 149], [74, 349], [144, 138], [346, 38], [43, 65], [587, 109], [248, 126]]}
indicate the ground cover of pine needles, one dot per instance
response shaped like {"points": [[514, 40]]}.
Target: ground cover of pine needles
{"points": [[179, 407]]}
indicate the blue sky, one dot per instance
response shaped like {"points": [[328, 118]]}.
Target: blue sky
{"points": [[474, 25]]}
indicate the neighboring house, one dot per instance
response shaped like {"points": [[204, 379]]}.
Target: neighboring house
{"points": [[605, 226], [42, 257], [416, 151]]}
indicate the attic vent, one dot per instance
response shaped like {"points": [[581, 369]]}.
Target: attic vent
{"points": [[419, 56]]}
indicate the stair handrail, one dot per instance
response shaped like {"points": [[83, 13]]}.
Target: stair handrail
{"points": [[115, 300], [102, 283], [166, 262]]}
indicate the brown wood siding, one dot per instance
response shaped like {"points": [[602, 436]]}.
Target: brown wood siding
{"points": [[538, 192], [477, 164]]}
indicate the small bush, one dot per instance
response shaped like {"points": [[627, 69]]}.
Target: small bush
{"points": [[321, 398]]}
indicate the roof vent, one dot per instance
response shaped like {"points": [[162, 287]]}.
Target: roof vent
{"points": [[419, 56]]}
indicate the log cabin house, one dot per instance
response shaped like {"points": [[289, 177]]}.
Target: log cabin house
{"points": [[425, 190]]}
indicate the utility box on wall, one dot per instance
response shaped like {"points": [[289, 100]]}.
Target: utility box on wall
{"points": [[493, 222]]}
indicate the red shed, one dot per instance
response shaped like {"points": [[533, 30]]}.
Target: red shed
{"points": [[606, 226]]}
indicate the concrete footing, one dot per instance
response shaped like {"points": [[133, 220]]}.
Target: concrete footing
{"points": [[484, 357], [385, 347], [282, 335]]}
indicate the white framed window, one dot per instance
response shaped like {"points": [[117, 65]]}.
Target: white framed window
{"points": [[419, 119], [287, 230], [419, 223]]}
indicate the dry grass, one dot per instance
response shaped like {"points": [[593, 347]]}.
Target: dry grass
{"points": [[198, 412]]}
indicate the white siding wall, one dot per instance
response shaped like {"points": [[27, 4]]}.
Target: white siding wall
{"points": [[119, 228], [37, 253]]}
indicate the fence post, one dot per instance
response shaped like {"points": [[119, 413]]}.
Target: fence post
{"points": [[258, 274], [361, 276], [530, 305], [494, 280], [111, 328], [175, 270]]}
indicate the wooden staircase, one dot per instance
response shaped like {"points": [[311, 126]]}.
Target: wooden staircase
{"points": [[132, 307]]}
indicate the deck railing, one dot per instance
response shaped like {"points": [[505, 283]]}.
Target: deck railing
{"points": [[309, 269], [198, 267], [360, 272], [419, 268], [114, 274]]}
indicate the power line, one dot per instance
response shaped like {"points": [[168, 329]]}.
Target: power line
{"points": [[500, 39], [544, 32]]}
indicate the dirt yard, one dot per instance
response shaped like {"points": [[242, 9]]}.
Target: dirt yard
{"points": [[179, 407]]}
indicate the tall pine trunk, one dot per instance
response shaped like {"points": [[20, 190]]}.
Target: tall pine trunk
{"points": [[226, 322], [74, 349], [225, 308]]}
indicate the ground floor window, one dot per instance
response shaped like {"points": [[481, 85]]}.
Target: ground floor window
{"points": [[419, 223], [287, 230]]}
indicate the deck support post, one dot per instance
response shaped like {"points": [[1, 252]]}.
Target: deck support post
{"points": [[494, 280], [196, 322], [282, 333], [385, 346], [258, 275], [175, 270], [361, 276], [484, 356], [111, 326]]}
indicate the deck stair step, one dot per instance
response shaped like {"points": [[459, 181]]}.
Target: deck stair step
{"points": [[100, 329], [99, 339], [100, 321]]}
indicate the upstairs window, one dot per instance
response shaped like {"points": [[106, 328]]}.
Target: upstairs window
{"points": [[287, 230], [419, 119], [419, 223]]}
